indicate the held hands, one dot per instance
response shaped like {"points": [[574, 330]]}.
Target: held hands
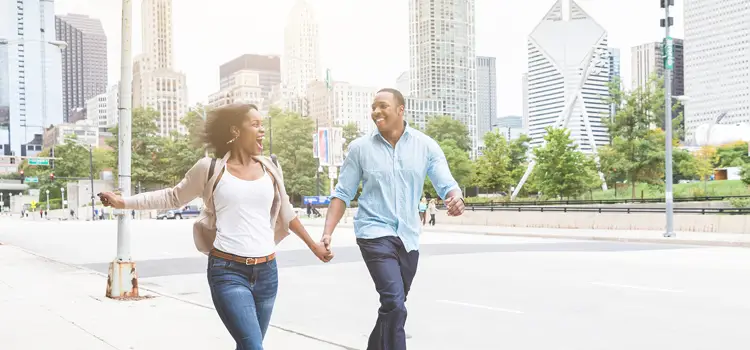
{"points": [[320, 251], [455, 206], [110, 199]]}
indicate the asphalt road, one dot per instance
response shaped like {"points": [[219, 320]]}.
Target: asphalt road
{"points": [[471, 291]]}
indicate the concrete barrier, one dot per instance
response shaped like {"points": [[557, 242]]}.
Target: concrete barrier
{"points": [[603, 221]]}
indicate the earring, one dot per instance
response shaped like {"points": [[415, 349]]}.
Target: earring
{"points": [[232, 140]]}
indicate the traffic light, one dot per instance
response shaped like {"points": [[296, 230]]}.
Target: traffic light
{"points": [[52, 176], [20, 172]]}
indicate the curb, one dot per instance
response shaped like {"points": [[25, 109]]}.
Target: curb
{"points": [[177, 298], [678, 241]]}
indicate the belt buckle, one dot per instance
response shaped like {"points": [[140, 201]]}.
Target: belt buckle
{"points": [[248, 261]]}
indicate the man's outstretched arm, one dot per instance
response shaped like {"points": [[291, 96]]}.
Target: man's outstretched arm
{"points": [[442, 179], [346, 190]]}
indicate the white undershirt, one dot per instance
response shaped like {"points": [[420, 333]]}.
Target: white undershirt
{"points": [[243, 216]]}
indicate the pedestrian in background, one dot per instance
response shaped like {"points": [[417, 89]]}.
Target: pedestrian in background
{"points": [[392, 164], [423, 210], [246, 203], [433, 210]]}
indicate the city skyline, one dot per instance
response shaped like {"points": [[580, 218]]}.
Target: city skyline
{"points": [[347, 35]]}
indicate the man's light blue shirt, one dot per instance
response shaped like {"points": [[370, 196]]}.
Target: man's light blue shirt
{"points": [[392, 183]]}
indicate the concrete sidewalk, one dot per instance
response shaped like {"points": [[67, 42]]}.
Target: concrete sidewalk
{"points": [[644, 236], [50, 305]]}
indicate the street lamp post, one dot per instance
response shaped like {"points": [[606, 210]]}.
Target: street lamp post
{"points": [[62, 194], [668, 66], [122, 279]]}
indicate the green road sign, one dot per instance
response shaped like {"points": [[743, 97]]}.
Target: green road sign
{"points": [[668, 54], [38, 161], [30, 179]]}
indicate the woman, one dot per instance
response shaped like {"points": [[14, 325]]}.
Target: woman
{"points": [[245, 201], [433, 210], [422, 209]]}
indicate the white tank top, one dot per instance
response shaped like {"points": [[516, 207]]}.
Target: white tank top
{"points": [[243, 216]]}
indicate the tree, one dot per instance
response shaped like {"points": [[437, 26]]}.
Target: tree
{"points": [[733, 154], [292, 136], [561, 169], [147, 145], [458, 162], [745, 174], [351, 132], [493, 169], [444, 128], [637, 150], [705, 159]]}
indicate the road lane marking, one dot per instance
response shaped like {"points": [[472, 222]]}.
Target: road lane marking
{"points": [[625, 286], [491, 308]]}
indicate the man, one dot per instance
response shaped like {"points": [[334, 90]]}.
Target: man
{"points": [[392, 164]]}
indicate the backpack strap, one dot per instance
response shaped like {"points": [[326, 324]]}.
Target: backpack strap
{"points": [[211, 169]]}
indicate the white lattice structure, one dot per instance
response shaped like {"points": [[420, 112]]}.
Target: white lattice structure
{"points": [[569, 67]]}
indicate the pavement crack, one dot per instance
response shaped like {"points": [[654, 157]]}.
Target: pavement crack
{"points": [[80, 327]]}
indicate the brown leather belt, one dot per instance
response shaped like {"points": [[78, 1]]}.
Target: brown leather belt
{"points": [[242, 260]]}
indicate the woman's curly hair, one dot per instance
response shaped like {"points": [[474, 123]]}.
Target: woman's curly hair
{"points": [[219, 122]]}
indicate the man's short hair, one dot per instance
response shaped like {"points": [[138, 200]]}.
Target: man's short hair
{"points": [[397, 94]]}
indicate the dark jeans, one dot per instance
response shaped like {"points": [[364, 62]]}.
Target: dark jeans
{"points": [[432, 219], [392, 269], [244, 296]]}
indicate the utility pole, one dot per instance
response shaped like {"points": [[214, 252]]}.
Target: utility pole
{"points": [[123, 280], [668, 49]]}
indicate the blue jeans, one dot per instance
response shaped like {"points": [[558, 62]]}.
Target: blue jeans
{"points": [[393, 270], [244, 296]]}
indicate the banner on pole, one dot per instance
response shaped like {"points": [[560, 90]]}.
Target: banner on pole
{"points": [[324, 153], [336, 145]]}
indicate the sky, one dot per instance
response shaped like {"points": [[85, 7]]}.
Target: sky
{"points": [[363, 42]]}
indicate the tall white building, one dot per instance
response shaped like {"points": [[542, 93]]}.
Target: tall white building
{"points": [[486, 95], [156, 84], [442, 58], [568, 77], [30, 72], [344, 103], [403, 84], [101, 110], [300, 63], [525, 102], [717, 62]]}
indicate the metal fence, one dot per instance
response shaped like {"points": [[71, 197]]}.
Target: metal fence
{"points": [[605, 201], [623, 210]]}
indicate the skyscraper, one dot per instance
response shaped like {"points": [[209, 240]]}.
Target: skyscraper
{"points": [[648, 59], [442, 58], [30, 55], [84, 61], [717, 56], [300, 63], [155, 82], [486, 95], [569, 72]]}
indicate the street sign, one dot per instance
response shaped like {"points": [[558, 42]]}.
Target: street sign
{"points": [[38, 161], [668, 53], [31, 179]]}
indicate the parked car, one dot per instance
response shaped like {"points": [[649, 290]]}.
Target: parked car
{"points": [[187, 212]]}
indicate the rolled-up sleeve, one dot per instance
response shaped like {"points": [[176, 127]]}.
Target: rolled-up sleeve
{"points": [[351, 175], [438, 171]]}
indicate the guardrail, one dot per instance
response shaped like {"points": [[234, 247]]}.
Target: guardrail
{"points": [[564, 209], [606, 201]]}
